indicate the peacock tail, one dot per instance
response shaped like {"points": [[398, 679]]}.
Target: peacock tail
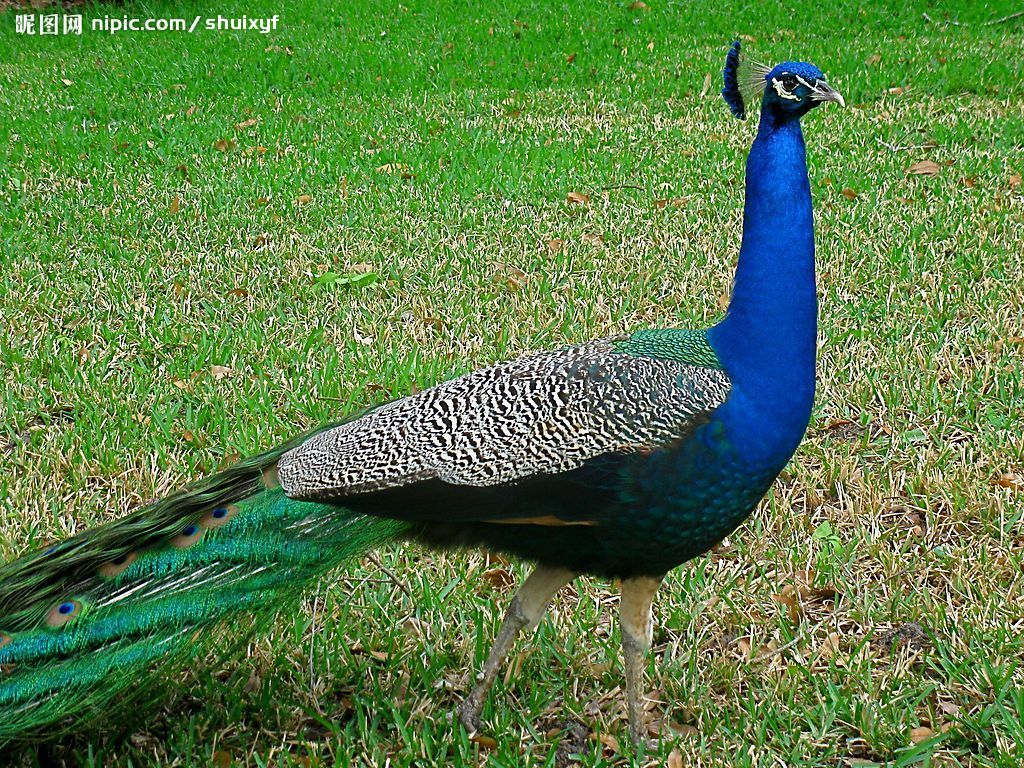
{"points": [[83, 623]]}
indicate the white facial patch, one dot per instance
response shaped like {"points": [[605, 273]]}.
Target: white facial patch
{"points": [[777, 85]]}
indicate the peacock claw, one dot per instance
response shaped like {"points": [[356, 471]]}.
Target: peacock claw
{"points": [[639, 742], [469, 713]]}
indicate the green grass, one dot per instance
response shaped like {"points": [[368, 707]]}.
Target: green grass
{"points": [[437, 145]]}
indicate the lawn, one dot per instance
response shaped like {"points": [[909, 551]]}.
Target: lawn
{"points": [[213, 241]]}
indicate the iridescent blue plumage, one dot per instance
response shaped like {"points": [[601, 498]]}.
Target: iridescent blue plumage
{"points": [[731, 89], [620, 457]]}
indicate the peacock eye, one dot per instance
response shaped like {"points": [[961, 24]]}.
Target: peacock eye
{"points": [[789, 83]]}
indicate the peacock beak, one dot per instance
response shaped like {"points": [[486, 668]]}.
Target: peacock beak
{"points": [[824, 92]]}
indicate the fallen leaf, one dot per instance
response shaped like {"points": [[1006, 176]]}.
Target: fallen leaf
{"points": [[922, 733], [873, 59], [570, 58], [221, 759], [675, 759], [1014, 181], [223, 145], [220, 371], [683, 729], [827, 650], [357, 648], [795, 596], [849, 193], [485, 741], [1010, 480], [237, 293], [513, 277], [555, 244], [303, 199], [593, 238], [66, 81], [175, 205], [578, 197], [499, 578], [246, 124], [433, 322], [924, 168], [638, 5], [744, 646], [610, 741], [393, 168], [675, 202]]}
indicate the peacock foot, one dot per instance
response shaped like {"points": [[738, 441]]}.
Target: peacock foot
{"points": [[469, 712]]}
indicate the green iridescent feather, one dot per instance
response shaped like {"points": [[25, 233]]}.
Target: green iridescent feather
{"points": [[85, 623], [679, 344]]}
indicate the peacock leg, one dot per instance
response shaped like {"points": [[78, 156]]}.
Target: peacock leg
{"points": [[637, 628], [525, 611]]}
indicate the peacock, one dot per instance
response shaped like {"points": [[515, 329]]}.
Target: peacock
{"points": [[620, 458]]}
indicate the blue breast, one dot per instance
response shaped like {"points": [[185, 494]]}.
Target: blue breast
{"points": [[689, 497]]}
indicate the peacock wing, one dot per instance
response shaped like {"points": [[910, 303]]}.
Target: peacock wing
{"points": [[540, 415]]}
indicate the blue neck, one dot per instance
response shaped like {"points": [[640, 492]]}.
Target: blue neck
{"points": [[767, 339]]}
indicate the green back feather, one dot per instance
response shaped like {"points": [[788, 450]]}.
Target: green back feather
{"points": [[83, 622], [680, 344]]}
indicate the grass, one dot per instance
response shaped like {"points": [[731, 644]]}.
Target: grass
{"points": [[172, 202]]}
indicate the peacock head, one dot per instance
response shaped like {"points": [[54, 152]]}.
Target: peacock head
{"points": [[790, 90]]}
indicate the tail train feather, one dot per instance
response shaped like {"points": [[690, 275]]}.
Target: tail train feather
{"points": [[82, 622]]}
